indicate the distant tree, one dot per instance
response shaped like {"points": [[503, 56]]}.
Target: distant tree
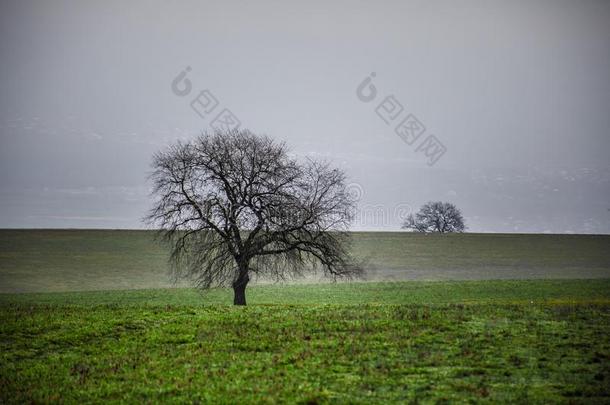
{"points": [[436, 216], [231, 204]]}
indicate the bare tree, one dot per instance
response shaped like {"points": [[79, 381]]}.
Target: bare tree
{"points": [[436, 217], [231, 204]]}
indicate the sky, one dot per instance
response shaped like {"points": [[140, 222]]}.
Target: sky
{"points": [[512, 96]]}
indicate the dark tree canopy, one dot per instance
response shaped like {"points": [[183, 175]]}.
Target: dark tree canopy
{"points": [[235, 203], [436, 216]]}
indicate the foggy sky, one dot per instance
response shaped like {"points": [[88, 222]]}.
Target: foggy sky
{"points": [[517, 91]]}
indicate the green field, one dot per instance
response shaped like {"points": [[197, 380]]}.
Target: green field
{"points": [[79, 260], [475, 340], [499, 341]]}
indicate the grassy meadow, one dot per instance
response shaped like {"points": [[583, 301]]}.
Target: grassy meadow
{"points": [[82, 260], [73, 328]]}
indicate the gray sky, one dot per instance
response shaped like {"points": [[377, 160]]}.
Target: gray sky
{"points": [[517, 91]]}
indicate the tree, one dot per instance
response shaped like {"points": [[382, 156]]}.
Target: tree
{"points": [[232, 204], [436, 217]]}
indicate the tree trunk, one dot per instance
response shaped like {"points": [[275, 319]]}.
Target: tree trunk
{"points": [[239, 286]]}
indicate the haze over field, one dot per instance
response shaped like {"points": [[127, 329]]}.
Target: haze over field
{"points": [[517, 92], [83, 260]]}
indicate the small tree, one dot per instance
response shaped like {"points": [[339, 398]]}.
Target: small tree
{"points": [[233, 203], [436, 217]]}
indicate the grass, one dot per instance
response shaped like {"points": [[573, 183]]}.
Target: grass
{"points": [[373, 293], [497, 341], [78, 260], [87, 316]]}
